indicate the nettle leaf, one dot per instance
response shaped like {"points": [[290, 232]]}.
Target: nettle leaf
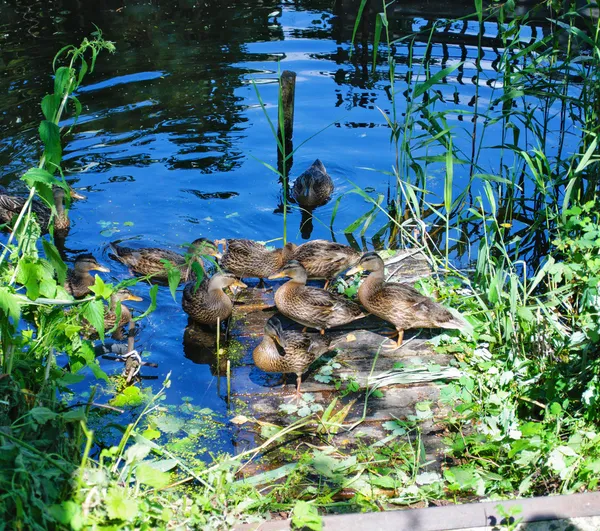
{"points": [[119, 506], [173, 276], [41, 415], [53, 256], [97, 371], [152, 307], [78, 108], [137, 452], [151, 476], [75, 415], [67, 513], [28, 276], [93, 311], [82, 71], [50, 105], [101, 289], [35, 176], [63, 81], [306, 516], [385, 482], [9, 304], [50, 135]]}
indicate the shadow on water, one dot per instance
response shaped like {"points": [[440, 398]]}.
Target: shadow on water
{"points": [[171, 141]]}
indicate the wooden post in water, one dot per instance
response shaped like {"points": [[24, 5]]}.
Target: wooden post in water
{"points": [[288, 91], [285, 117]]}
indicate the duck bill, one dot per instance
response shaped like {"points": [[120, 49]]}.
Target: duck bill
{"points": [[75, 195], [354, 270], [277, 340], [280, 274], [217, 255], [239, 284], [134, 298], [102, 269]]}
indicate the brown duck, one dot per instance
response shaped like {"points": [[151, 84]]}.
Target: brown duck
{"points": [[110, 315], [149, 260], [79, 280], [313, 188], [400, 304], [10, 206], [309, 306], [324, 259], [208, 304], [288, 351], [249, 259]]}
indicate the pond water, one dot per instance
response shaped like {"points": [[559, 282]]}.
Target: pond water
{"points": [[172, 141]]}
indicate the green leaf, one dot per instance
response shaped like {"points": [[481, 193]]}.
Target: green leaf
{"points": [[93, 311], [34, 176], [82, 71], [174, 276], [151, 434], [9, 304], [53, 256], [28, 276], [41, 415], [67, 513], [119, 506], [555, 408], [152, 307], [137, 452], [306, 516], [376, 38], [50, 105], [63, 81], [385, 482], [97, 371], [436, 78], [101, 289], [77, 111], [585, 160], [50, 135], [131, 396], [75, 415], [151, 476], [169, 423]]}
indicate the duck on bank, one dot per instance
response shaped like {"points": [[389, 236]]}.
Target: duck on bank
{"points": [[310, 306], [288, 351], [400, 304]]}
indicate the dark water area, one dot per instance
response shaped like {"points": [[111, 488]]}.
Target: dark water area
{"points": [[171, 141]]}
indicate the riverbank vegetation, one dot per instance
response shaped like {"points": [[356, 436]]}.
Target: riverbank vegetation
{"points": [[516, 251]]}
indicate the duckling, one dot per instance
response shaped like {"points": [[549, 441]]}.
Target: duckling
{"points": [[10, 206], [247, 258], [110, 315], [400, 304], [209, 304], [79, 279], [312, 307], [288, 351], [148, 260], [313, 188], [324, 259]]}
